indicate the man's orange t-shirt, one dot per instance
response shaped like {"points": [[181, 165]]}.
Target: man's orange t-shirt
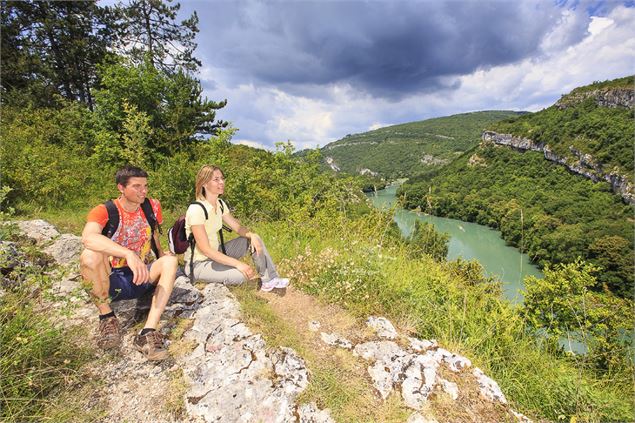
{"points": [[133, 231]]}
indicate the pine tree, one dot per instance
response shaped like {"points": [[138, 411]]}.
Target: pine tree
{"points": [[148, 30]]}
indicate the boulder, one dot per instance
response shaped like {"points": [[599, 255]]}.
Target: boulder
{"points": [[65, 250], [39, 230], [382, 327]]}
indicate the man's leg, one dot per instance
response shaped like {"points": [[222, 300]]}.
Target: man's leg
{"points": [[95, 271], [164, 269], [150, 342]]}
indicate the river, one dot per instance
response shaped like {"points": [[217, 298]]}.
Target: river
{"points": [[469, 241]]}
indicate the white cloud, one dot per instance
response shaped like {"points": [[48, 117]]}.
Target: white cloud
{"points": [[266, 114]]}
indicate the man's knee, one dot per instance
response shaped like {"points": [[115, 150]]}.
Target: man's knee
{"points": [[91, 260], [169, 263]]}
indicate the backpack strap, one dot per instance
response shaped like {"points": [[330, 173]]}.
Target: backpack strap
{"points": [[113, 219], [192, 242], [220, 231], [148, 212]]}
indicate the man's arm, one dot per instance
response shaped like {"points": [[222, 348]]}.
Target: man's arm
{"points": [[95, 241]]}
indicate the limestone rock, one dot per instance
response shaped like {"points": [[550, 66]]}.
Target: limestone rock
{"points": [[38, 229], [450, 388], [489, 388], [336, 340], [420, 345], [375, 350], [310, 413], [65, 250], [68, 284], [232, 376], [455, 362], [382, 327], [291, 371], [420, 379]]}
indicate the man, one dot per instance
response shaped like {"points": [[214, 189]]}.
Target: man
{"points": [[120, 267]]}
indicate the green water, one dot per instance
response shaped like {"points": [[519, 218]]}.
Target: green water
{"points": [[469, 241]]}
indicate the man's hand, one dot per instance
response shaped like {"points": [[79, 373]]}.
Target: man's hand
{"points": [[247, 270], [138, 267]]}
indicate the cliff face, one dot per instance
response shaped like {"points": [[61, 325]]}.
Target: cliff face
{"points": [[581, 164], [615, 97]]}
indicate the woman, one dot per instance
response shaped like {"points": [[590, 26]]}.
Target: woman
{"points": [[210, 264]]}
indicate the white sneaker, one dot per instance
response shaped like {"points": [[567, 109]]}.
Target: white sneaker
{"points": [[274, 283], [281, 282], [269, 285]]}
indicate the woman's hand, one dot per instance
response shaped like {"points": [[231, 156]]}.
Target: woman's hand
{"points": [[256, 242], [247, 270]]}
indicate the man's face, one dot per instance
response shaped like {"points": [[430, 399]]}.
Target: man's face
{"points": [[136, 189]]}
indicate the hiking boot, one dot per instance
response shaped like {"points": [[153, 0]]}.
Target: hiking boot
{"points": [[151, 345], [109, 333]]}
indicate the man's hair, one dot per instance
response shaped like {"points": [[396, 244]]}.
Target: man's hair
{"points": [[124, 174]]}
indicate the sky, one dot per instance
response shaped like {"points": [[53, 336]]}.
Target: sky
{"points": [[314, 71]]}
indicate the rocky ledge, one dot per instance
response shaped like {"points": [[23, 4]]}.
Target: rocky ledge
{"points": [[581, 164], [612, 97], [231, 374]]}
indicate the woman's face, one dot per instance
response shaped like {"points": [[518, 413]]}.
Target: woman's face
{"points": [[216, 185]]}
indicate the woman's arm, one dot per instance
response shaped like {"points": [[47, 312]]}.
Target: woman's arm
{"points": [[241, 230]]}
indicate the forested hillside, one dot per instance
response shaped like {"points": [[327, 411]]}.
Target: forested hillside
{"points": [[405, 150], [564, 215]]}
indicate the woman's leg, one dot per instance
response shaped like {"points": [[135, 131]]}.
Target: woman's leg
{"points": [[209, 271], [238, 247]]}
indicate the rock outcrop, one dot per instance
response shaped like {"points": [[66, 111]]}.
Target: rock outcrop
{"points": [[416, 371], [583, 164], [611, 97]]}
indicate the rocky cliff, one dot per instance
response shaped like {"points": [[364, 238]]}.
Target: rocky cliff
{"points": [[614, 97], [579, 163]]}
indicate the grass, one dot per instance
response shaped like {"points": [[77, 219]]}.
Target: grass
{"points": [[40, 361], [446, 302], [337, 380]]}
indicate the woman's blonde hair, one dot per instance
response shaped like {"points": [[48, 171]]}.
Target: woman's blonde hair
{"points": [[204, 176]]}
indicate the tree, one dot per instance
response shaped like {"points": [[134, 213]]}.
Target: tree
{"points": [[51, 48], [563, 304], [177, 115], [426, 240], [147, 30]]}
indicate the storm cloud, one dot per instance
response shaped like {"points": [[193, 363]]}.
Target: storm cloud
{"points": [[386, 49]]}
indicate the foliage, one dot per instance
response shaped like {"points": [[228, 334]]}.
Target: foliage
{"points": [[147, 30], [177, 116], [550, 214], [426, 240], [37, 357], [562, 304], [452, 302], [405, 150], [51, 162], [51, 48]]}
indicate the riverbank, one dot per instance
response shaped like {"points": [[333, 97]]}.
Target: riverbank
{"points": [[468, 241]]}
